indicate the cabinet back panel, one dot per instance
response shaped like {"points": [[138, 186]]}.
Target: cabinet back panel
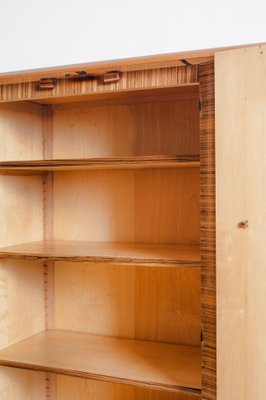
{"points": [[160, 304], [160, 206], [69, 388], [162, 127]]}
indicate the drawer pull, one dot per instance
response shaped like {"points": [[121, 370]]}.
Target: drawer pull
{"points": [[47, 83]]}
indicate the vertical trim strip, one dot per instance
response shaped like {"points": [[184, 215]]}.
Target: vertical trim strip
{"points": [[208, 229]]}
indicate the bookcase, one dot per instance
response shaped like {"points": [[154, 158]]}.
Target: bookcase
{"points": [[108, 231]]}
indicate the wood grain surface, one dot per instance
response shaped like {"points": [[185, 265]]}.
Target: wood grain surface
{"points": [[164, 161], [208, 230], [70, 388], [154, 210], [105, 252], [140, 363], [241, 249], [130, 81]]}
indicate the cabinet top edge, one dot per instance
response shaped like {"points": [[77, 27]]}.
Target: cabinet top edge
{"points": [[124, 64]]}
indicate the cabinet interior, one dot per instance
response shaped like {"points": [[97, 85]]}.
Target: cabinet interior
{"points": [[100, 246]]}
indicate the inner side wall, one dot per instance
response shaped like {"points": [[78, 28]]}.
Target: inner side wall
{"points": [[21, 220]]}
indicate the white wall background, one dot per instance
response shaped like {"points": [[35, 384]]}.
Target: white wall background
{"points": [[35, 34]]}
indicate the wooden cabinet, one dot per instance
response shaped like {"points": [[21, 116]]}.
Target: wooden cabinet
{"points": [[112, 230]]}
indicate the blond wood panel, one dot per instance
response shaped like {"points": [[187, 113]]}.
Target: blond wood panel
{"points": [[22, 315], [47, 132], [69, 388], [25, 289], [3, 307], [149, 205], [127, 130], [144, 303], [21, 284], [48, 267], [106, 252], [20, 131], [16, 384], [241, 253], [38, 166], [140, 363], [21, 209]]}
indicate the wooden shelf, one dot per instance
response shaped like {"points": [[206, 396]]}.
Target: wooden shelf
{"points": [[140, 363], [160, 161], [106, 252]]}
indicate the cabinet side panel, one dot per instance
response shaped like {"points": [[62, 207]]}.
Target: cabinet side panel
{"points": [[241, 250], [17, 384], [21, 283], [20, 131]]}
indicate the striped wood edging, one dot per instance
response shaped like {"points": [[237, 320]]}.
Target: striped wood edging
{"points": [[38, 166], [208, 229], [161, 77]]}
